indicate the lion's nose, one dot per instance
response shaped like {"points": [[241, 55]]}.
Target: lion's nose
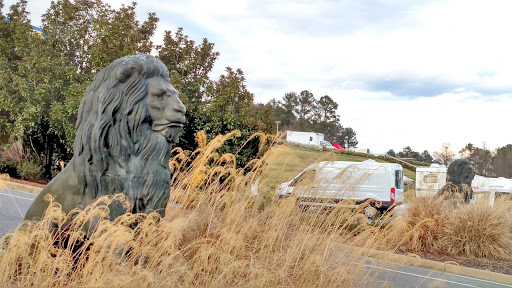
{"points": [[179, 107]]}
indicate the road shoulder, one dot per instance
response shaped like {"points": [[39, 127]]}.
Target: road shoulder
{"points": [[20, 187], [447, 267]]}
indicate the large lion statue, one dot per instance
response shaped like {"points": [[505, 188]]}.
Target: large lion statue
{"points": [[127, 123], [459, 176]]}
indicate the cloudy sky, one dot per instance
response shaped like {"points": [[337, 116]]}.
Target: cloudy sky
{"points": [[404, 73]]}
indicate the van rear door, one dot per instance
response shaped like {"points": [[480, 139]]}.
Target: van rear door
{"points": [[397, 191]]}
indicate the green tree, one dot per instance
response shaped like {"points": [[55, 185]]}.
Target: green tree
{"points": [[44, 79], [229, 104], [284, 110], [426, 157], [28, 91], [86, 36], [278, 114], [348, 138], [482, 161], [407, 152], [328, 109], [391, 152], [90, 34], [480, 158], [263, 118], [503, 161], [326, 118], [304, 110], [13, 33], [189, 66]]}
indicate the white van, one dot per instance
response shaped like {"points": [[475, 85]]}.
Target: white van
{"points": [[326, 183]]}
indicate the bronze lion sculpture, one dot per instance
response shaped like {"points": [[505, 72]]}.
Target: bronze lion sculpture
{"points": [[459, 176], [128, 121]]}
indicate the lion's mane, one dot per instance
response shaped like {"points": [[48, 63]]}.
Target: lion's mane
{"points": [[114, 143], [459, 176]]}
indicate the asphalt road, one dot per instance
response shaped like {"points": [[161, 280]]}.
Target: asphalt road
{"points": [[13, 207], [385, 275], [373, 272]]}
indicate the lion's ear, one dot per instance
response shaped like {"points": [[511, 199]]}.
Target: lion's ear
{"points": [[124, 72]]}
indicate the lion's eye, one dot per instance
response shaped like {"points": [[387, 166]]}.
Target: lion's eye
{"points": [[159, 97]]}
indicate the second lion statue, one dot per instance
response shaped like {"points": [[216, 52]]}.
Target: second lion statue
{"points": [[127, 124]]}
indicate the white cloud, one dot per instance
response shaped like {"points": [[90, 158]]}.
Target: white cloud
{"points": [[386, 122], [379, 60]]}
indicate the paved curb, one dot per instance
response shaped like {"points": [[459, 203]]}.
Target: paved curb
{"points": [[429, 264], [20, 187]]}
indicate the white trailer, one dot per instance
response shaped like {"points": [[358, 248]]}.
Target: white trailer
{"points": [[486, 184], [310, 138], [490, 188], [430, 179]]}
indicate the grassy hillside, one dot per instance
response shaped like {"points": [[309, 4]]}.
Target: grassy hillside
{"points": [[285, 162]]}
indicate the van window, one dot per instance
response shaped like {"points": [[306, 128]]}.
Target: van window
{"points": [[310, 138], [306, 175], [399, 179]]}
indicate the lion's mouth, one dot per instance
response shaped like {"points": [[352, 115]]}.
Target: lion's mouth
{"points": [[170, 130], [180, 125], [161, 125]]}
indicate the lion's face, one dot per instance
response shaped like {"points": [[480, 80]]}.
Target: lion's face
{"points": [[165, 109], [460, 171], [469, 174]]}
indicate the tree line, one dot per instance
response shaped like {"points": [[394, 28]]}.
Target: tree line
{"points": [[408, 152], [303, 112], [497, 163], [44, 78]]}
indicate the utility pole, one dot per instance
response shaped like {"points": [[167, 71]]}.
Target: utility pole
{"points": [[277, 129]]}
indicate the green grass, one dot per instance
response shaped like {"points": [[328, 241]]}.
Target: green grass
{"points": [[285, 162]]}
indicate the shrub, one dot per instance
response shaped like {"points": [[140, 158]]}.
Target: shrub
{"points": [[439, 225], [29, 170], [421, 227], [480, 231], [9, 167]]}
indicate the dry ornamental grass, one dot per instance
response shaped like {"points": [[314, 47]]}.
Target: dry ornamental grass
{"points": [[216, 233], [445, 226]]}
